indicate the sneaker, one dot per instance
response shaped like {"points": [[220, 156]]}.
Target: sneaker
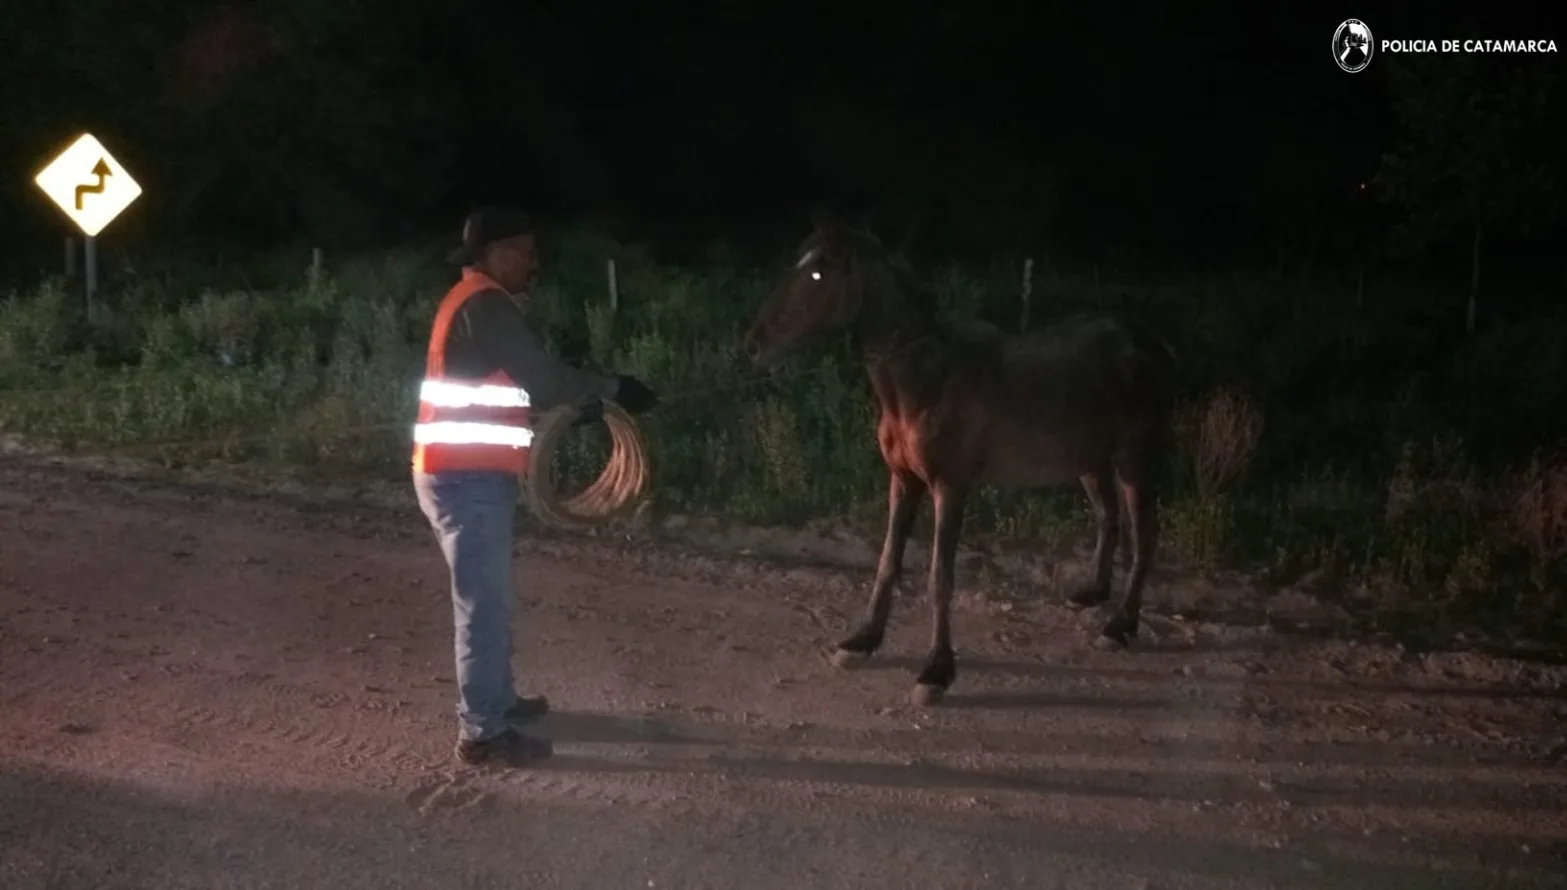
{"points": [[528, 708], [509, 748]]}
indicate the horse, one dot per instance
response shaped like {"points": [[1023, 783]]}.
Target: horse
{"points": [[1090, 399]]}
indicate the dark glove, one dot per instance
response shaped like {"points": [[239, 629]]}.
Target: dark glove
{"points": [[589, 412], [634, 396]]}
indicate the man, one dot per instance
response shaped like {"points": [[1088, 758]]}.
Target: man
{"points": [[486, 372]]}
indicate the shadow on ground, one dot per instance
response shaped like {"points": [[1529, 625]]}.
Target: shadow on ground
{"points": [[60, 829], [911, 760], [1310, 688]]}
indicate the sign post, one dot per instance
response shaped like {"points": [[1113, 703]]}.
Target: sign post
{"points": [[91, 264], [92, 188]]}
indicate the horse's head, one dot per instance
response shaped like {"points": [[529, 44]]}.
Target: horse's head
{"points": [[823, 291]]}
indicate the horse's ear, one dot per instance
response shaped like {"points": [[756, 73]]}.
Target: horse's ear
{"points": [[834, 232], [865, 231]]}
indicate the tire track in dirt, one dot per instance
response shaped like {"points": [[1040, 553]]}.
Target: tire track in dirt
{"points": [[209, 709], [319, 731]]}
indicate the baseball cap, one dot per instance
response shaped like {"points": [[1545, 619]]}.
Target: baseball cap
{"points": [[484, 227]]}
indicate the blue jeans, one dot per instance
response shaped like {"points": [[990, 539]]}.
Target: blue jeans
{"points": [[473, 515]]}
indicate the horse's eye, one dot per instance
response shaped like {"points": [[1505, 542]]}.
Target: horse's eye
{"points": [[816, 276]]}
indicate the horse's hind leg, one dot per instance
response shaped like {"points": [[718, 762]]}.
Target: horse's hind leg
{"points": [[1142, 506], [1106, 503], [903, 504]]}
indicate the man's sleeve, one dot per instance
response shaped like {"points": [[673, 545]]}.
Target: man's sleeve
{"points": [[504, 338]]}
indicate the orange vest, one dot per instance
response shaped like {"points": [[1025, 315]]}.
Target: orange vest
{"points": [[467, 424]]}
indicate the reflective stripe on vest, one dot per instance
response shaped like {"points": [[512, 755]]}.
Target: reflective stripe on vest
{"points": [[454, 432], [453, 394], [468, 424]]}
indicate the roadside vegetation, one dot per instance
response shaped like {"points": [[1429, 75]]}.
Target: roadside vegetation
{"points": [[1370, 447]]}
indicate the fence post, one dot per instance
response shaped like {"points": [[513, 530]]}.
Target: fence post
{"points": [[1028, 291], [614, 287]]}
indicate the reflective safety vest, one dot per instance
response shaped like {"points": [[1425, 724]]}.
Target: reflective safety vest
{"points": [[468, 424]]}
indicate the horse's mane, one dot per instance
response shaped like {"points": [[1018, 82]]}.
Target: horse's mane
{"points": [[918, 289], [914, 286]]}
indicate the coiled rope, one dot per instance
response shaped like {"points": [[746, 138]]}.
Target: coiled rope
{"points": [[618, 491]]}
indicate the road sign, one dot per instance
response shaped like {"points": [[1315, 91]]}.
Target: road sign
{"points": [[88, 184]]}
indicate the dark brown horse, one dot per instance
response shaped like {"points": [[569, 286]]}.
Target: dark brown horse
{"points": [[1089, 400]]}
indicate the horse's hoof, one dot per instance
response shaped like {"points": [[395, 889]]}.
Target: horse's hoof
{"points": [[927, 694], [1118, 633], [844, 659], [1107, 643]]}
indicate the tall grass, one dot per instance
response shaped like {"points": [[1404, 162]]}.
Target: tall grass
{"points": [[1411, 473]]}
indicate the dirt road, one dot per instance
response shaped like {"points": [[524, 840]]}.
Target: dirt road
{"points": [[203, 688]]}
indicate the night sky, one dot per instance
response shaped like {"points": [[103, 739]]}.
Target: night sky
{"points": [[359, 124]]}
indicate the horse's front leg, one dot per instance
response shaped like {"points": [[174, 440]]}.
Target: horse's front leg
{"points": [[941, 669], [903, 504]]}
